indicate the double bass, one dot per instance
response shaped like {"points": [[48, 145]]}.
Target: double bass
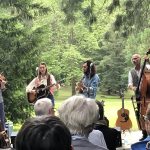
{"points": [[143, 93]]}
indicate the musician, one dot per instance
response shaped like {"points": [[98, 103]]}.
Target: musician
{"points": [[2, 112], [44, 78], [133, 80], [90, 80], [134, 73]]}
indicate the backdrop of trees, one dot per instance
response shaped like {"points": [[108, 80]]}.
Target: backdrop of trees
{"points": [[64, 33]]}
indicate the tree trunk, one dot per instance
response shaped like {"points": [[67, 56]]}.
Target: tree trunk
{"points": [[73, 86]]}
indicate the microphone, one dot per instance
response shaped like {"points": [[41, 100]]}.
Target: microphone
{"points": [[92, 64]]}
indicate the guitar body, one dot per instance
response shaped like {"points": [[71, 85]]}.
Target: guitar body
{"points": [[123, 121], [79, 87], [32, 97], [41, 92]]}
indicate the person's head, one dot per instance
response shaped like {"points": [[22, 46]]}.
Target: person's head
{"points": [[136, 59], [43, 133], [89, 68], [43, 106], [42, 70], [79, 114], [100, 110], [102, 119]]}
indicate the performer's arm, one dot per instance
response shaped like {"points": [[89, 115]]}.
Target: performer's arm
{"points": [[2, 84], [31, 85], [53, 81], [130, 82], [93, 87]]}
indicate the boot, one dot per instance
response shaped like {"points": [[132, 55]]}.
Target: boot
{"points": [[144, 135]]}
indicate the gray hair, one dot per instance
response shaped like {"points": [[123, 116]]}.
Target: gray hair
{"points": [[79, 114], [43, 106]]}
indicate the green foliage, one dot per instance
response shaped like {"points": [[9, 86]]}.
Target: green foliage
{"points": [[19, 52], [135, 17], [64, 34]]}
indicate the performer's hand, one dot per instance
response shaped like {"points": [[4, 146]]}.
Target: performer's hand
{"points": [[2, 134], [33, 91], [57, 86], [133, 88], [79, 86], [146, 57]]}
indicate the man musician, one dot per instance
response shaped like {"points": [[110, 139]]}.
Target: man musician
{"points": [[134, 82], [90, 80]]}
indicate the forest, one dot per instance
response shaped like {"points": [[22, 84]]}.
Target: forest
{"points": [[64, 33]]}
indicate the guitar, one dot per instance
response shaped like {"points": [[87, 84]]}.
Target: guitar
{"points": [[40, 92], [123, 121], [4, 139], [79, 87]]}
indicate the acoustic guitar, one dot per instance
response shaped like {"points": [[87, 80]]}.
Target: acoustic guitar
{"points": [[40, 92], [123, 121], [79, 87]]}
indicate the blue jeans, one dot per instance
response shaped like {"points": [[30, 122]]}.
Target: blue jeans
{"points": [[2, 115], [51, 97]]}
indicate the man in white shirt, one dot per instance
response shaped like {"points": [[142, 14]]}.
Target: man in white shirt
{"points": [[133, 81], [134, 73]]}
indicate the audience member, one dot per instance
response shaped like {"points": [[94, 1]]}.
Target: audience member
{"points": [[142, 144], [44, 133], [79, 114], [112, 136], [43, 106]]}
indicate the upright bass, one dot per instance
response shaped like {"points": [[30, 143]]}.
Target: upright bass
{"points": [[143, 93]]}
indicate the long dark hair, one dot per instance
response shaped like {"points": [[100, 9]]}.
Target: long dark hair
{"points": [[91, 70], [100, 109]]}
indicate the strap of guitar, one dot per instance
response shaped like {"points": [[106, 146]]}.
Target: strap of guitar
{"points": [[49, 82]]}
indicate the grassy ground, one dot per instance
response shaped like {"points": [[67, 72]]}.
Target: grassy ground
{"points": [[111, 105]]}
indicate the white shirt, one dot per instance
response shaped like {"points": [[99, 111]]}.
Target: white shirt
{"points": [[36, 82], [138, 72], [96, 137], [130, 79]]}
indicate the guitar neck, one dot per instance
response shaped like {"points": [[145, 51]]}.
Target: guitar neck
{"points": [[47, 87], [122, 98]]}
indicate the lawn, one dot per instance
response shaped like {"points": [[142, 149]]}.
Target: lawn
{"points": [[111, 105]]}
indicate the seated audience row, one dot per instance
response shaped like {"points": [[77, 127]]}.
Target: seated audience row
{"points": [[78, 118]]}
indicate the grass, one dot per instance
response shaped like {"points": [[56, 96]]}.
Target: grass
{"points": [[111, 105]]}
